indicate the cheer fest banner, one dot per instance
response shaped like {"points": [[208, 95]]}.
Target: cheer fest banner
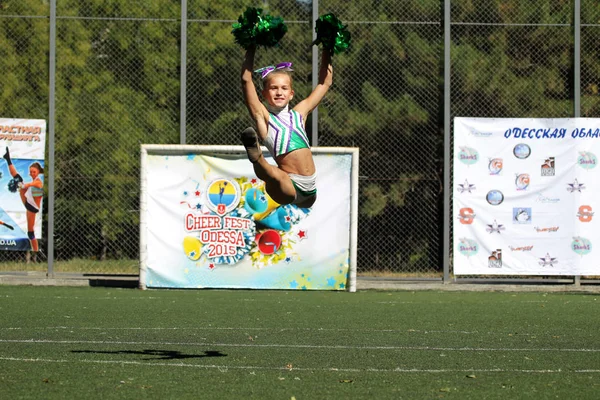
{"points": [[209, 223], [525, 195], [22, 144]]}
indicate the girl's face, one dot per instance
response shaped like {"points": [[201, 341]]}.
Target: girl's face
{"points": [[33, 172], [278, 90]]}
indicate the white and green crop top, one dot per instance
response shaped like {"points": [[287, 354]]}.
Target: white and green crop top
{"points": [[285, 133]]}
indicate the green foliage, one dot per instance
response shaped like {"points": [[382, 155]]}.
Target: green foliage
{"points": [[118, 86], [374, 200]]}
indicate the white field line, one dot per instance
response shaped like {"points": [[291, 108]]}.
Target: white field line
{"points": [[211, 328], [225, 368], [297, 346], [266, 299]]}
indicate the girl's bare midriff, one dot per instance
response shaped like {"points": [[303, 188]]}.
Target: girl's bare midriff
{"points": [[299, 162]]}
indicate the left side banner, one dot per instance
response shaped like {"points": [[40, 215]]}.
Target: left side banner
{"points": [[22, 146]]}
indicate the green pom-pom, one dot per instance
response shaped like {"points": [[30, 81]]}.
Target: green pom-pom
{"points": [[332, 34], [256, 29]]}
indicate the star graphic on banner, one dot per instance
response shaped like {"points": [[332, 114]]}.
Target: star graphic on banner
{"points": [[342, 285], [495, 227], [288, 218], [263, 199], [548, 261], [211, 266], [331, 281], [197, 193], [465, 187], [185, 192], [191, 156], [253, 181], [302, 235], [293, 284], [575, 186], [288, 260], [198, 206], [192, 254]]}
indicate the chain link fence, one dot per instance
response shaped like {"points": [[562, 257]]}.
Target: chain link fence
{"points": [[119, 82]]}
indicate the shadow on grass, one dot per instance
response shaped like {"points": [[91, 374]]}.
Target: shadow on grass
{"points": [[162, 354]]}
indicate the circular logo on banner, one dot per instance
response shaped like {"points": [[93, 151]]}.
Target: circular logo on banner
{"points": [[222, 196], [581, 246], [587, 160], [494, 197], [468, 155], [522, 181], [467, 247], [522, 151], [495, 166]]}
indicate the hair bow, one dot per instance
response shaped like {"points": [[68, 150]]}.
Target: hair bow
{"points": [[284, 66]]}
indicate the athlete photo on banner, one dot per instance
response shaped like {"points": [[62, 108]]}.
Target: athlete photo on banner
{"points": [[22, 146], [211, 224]]}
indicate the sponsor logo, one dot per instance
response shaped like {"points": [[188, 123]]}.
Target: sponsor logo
{"points": [[522, 151], [495, 166], [585, 213], [8, 242], [466, 216], [587, 160], [467, 247], [222, 196], [575, 186], [547, 200], [480, 134], [581, 245], [468, 155], [465, 187], [548, 261], [495, 227], [494, 197], [521, 248], [522, 181], [547, 168], [522, 215], [548, 229], [495, 259]]}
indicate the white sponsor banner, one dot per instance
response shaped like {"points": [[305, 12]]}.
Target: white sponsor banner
{"points": [[22, 146], [207, 222], [525, 193]]}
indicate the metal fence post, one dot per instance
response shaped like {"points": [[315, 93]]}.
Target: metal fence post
{"points": [[51, 126], [315, 73], [447, 189], [183, 77], [577, 76]]}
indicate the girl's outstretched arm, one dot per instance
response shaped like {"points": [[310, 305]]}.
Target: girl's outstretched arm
{"points": [[325, 82], [257, 110]]}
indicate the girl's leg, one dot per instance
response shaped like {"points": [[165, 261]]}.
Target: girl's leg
{"points": [[278, 184], [11, 167], [30, 230]]}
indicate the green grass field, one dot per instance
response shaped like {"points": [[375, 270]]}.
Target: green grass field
{"points": [[89, 343]]}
